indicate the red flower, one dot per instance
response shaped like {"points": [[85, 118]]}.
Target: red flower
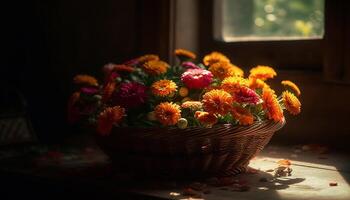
{"points": [[247, 95], [130, 95], [73, 111]]}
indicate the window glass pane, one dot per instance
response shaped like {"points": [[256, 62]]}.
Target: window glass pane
{"points": [[244, 20]]}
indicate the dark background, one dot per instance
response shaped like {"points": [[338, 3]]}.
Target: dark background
{"points": [[44, 44]]}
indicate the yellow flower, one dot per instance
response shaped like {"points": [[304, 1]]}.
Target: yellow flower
{"points": [[262, 72], [186, 99], [193, 105], [163, 88], [271, 105], [183, 91], [217, 102], [255, 83], [233, 84], [243, 116], [185, 53], [292, 86], [291, 102], [147, 57], [215, 57], [85, 80], [236, 70], [222, 70], [168, 113], [206, 118], [155, 67]]}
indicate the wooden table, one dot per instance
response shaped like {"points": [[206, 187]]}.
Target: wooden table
{"points": [[55, 174]]}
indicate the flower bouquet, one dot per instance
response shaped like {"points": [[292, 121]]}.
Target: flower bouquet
{"points": [[190, 118]]}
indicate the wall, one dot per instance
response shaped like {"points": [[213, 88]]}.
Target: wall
{"points": [[46, 43], [325, 108]]}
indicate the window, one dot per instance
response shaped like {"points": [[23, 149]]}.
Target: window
{"points": [[252, 31], [256, 20]]}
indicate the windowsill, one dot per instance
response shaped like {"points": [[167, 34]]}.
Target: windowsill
{"points": [[266, 39]]}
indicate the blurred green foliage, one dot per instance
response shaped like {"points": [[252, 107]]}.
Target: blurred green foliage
{"points": [[273, 18]]}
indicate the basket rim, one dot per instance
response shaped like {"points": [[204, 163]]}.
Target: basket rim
{"points": [[231, 126], [220, 130]]}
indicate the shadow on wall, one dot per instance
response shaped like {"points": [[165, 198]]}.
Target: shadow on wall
{"points": [[323, 117]]}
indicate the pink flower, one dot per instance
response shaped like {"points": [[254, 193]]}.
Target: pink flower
{"points": [[130, 95], [197, 78], [89, 90], [247, 95], [132, 62], [190, 65]]}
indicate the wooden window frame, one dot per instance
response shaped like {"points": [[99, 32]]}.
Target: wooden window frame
{"points": [[288, 54], [337, 42]]}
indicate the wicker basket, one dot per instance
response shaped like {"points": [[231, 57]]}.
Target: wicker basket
{"points": [[222, 150]]}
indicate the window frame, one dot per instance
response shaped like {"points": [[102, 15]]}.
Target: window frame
{"points": [[283, 54]]}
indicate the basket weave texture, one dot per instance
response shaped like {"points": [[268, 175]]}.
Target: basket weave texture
{"points": [[222, 150]]}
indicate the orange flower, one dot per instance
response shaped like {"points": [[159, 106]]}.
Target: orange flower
{"points": [[206, 118], [222, 70], [217, 102], [167, 113], [108, 90], [147, 57], [155, 67], [215, 57], [262, 72], [292, 86], [243, 116], [255, 83], [233, 84], [291, 102], [163, 87], [193, 105], [109, 117], [123, 68], [236, 70], [212, 87], [271, 105], [74, 99], [85, 80], [185, 53]]}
